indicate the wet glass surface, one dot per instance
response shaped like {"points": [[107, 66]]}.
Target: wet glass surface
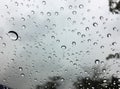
{"points": [[59, 44]]}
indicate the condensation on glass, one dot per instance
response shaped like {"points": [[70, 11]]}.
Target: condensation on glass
{"points": [[59, 44]]}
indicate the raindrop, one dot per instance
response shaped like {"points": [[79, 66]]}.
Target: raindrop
{"points": [[23, 26], [49, 57], [104, 70], [12, 60], [12, 18], [63, 47], [48, 13], [78, 33], [6, 6], [44, 2], [73, 43], [74, 12], [20, 68], [95, 43], [70, 6], [83, 35], [1, 37], [87, 28], [35, 79], [113, 43], [57, 40], [41, 13], [88, 40], [104, 81], [13, 35], [3, 44], [68, 18], [52, 37], [101, 17], [95, 24], [97, 61], [61, 8], [22, 74], [16, 3], [56, 13], [81, 6], [115, 28], [109, 35], [101, 46], [23, 19], [62, 80], [33, 12]]}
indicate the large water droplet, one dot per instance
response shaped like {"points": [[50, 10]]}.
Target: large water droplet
{"points": [[13, 35]]}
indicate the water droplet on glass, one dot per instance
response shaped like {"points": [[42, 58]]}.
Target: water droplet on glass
{"points": [[44, 2], [81, 6], [56, 13], [73, 43], [6, 6], [13, 35], [3, 44], [49, 13], [68, 18], [63, 47], [101, 17], [61, 8], [109, 35], [70, 6], [104, 70], [22, 74], [104, 81], [35, 79], [16, 3], [78, 33], [113, 43], [95, 24], [23, 19], [49, 57], [87, 28], [95, 43], [83, 35], [12, 59], [23, 26], [88, 40], [115, 28], [74, 12], [12, 18], [1, 37], [41, 13], [52, 37], [101, 46], [20, 68], [33, 12], [97, 61]]}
